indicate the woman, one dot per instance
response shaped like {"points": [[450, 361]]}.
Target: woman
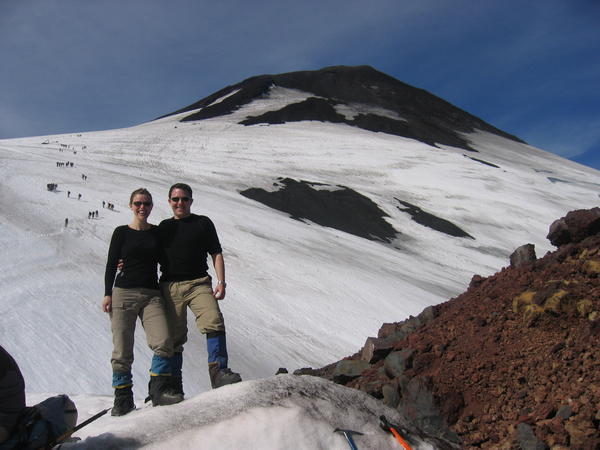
{"points": [[136, 294]]}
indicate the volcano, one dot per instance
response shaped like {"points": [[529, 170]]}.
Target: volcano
{"points": [[358, 96]]}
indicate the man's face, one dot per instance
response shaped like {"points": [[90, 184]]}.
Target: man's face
{"points": [[181, 203]]}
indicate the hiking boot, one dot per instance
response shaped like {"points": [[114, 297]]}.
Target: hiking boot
{"points": [[177, 385], [123, 402], [161, 391], [221, 377]]}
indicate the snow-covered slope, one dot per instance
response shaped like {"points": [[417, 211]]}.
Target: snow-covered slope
{"points": [[299, 294]]}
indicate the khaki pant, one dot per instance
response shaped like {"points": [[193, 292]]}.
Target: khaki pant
{"points": [[198, 296], [127, 306]]}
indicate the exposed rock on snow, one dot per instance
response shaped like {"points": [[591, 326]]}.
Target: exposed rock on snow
{"points": [[337, 207], [312, 108], [429, 220], [482, 161]]}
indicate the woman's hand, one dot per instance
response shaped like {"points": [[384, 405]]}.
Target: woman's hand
{"points": [[107, 304]]}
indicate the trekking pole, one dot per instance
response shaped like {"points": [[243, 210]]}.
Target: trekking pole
{"points": [[387, 426], [68, 434]]}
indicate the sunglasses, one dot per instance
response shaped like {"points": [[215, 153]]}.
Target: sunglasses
{"points": [[138, 204], [177, 199]]}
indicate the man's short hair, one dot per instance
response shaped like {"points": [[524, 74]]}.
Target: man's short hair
{"points": [[181, 186]]}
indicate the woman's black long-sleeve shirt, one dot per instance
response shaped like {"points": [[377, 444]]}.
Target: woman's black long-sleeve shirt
{"points": [[140, 251]]}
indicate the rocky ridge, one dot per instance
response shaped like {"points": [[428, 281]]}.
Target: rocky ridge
{"points": [[513, 362]]}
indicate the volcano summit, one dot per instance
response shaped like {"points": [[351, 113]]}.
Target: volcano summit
{"points": [[359, 96]]}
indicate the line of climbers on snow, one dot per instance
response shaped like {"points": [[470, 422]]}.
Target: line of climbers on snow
{"points": [[53, 187], [181, 246]]}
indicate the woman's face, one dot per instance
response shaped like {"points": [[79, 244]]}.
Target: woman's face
{"points": [[141, 206]]}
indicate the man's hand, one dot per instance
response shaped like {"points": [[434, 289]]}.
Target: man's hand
{"points": [[219, 263], [219, 291], [107, 304]]}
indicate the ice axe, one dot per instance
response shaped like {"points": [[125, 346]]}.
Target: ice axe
{"points": [[348, 435], [395, 430]]}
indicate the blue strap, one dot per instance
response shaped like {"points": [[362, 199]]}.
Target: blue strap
{"points": [[160, 365], [121, 380], [216, 345]]}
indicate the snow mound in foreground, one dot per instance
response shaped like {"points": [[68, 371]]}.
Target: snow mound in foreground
{"points": [[285, 411]]}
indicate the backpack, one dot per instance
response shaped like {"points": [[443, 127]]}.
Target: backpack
{"points": [[40, 426]]}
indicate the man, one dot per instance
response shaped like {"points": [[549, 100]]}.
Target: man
{"points": [[186, 240]]}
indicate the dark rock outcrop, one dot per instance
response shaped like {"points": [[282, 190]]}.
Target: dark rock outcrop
{"points": [[431, 221], [344, 209], [312, 108], [336, 207], [525, 254], [514, 362], [481, 161]]}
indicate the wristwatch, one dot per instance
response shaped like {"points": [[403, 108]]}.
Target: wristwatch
{"points": [[222, 282]]}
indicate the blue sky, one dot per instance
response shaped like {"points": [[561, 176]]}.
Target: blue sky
{"points": [[530, 68]]}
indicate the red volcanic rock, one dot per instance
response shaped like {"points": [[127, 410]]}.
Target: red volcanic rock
{"points": [[514, 361], [574, 227]]}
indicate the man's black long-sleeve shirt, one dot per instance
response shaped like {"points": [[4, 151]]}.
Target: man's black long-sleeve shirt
{"points": [[186, 243]]}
